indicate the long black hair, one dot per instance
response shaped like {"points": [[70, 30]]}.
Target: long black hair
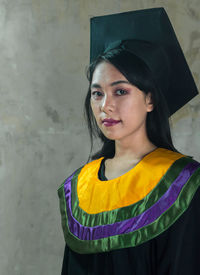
{"points": [[139, 75]]}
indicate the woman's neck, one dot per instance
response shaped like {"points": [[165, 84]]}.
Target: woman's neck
{"points": [[133, 149]]}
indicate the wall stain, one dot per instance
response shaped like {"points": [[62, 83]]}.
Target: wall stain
{"points": [[53, 114], [193, 13], [193, 48]]}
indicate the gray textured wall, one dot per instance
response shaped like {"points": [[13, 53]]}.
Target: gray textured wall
{"points": [[44, 49]]}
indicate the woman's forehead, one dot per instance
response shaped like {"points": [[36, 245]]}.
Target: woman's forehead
{"points": [[105, 72]]}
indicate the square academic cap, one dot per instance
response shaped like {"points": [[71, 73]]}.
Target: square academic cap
{"points": [[149, 35]]}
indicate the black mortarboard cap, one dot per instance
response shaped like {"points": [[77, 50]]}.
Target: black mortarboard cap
{"points": [[149, 35]]}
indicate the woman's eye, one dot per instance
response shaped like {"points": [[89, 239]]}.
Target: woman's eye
{"points": [[96, 94], [120, 92]]}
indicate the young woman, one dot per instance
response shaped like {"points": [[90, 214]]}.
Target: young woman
{"points": [[135, 208]]}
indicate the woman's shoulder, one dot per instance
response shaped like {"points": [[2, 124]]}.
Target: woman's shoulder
{"points": [[175, 159], [84, 169]]}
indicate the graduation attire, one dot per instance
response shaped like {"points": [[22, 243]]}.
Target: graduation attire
{"points": [[146, 221]]}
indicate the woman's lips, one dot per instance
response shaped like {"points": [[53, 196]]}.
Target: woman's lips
{"points": [[110, 122]]}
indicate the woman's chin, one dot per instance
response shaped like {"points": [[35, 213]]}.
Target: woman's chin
{"points": [[111, 136]]}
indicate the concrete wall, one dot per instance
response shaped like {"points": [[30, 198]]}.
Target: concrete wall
{"points": [[44, 49]]}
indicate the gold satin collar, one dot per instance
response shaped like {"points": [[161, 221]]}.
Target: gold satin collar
{"points": [[97, 196]]}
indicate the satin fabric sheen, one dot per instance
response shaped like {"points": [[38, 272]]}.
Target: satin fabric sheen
{"points": [[97, 196], [155, 216]]}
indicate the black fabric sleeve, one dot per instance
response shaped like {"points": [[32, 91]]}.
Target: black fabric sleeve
{"points": [[178, 248], [65, 261]]}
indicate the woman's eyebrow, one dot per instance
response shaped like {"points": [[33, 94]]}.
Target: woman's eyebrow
{"points": [[96, 85]]}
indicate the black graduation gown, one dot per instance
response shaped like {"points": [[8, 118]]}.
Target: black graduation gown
{"points": [[174, 252]]}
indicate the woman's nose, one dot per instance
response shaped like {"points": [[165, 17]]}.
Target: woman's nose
{"points": [[107, 104]]}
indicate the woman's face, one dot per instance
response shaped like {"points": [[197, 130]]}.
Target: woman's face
{"points": [[119, 108]]}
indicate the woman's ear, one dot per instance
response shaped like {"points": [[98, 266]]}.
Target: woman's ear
{"points": [[149, 102]]}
